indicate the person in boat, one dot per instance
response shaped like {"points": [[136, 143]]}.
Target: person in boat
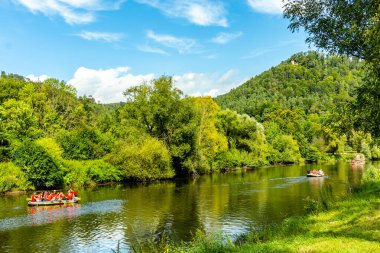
{"points": [[61, 196], [70, 195], [46, 196], [39, 197], [52, 196], [33, 197], [320, 172]]}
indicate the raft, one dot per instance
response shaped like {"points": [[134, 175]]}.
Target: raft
{"points": [[314, 175], [53, 203]]}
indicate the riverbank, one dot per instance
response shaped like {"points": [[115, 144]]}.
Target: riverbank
{"points": [[348, 225]]}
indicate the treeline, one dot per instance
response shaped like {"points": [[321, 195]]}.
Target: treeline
{"points": [[50, 138], [296, 111]]}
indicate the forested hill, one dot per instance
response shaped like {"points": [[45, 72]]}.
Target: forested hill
{"points": [[311, 82]]}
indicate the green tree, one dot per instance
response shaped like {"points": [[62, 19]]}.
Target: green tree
{"points": [[40, 169], [210, 141], [18, 120], [84, 144], [143, 159], [160, 111]]}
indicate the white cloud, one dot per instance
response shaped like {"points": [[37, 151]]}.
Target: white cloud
{"points": [[202, 84], [266, 6], [107, 37], [72, 11], [107, 86], [182, 45], [40, 78], [199, 12], [149, 49], [224, 38]]}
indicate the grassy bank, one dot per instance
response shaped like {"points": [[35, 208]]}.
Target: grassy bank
{"points": [[348, 225]]}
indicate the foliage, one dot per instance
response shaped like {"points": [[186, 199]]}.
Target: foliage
{"points": [[306, 98], [145, 159], [159, 111], [11, 177], [40, 169], [18, 120], [80, 173], [371, 179], [231, 159], [210, 141], [84, 144], [84, 173]]}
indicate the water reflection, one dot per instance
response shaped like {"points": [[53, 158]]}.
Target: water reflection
{"points": [[131, 215]]}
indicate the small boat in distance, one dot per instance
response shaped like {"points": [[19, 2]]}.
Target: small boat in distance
{"points": [[315, 173], [358, 159], [360, 162]]}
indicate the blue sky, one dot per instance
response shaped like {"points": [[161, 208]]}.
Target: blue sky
{"points": [[102, 47]]}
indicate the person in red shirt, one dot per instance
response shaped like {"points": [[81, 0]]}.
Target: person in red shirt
{"points": [[70, 195], [46, 196], [33, 197]]}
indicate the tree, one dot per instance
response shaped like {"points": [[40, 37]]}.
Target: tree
{"points": [[339, 26], [348, 27], [143, 159], [160, 111], [40, 169], [18, 120], [210, 141]]}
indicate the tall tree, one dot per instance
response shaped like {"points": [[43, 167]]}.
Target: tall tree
{"points": [[160, 110]]}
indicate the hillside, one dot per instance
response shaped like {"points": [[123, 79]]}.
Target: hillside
{"points": [[306, 100], [309, 81]]}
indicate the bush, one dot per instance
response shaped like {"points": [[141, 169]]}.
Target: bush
{"points": [[84, 144], [11, 177], [81, 173], [41, 170], [375, 151], [144, 159], [371, 179], [232, 159]]}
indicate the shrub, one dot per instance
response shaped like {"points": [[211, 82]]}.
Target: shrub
{"points": [[144, 159], [11, 177], [84, 144], [40, 168], [81, 173], [232, 159]]}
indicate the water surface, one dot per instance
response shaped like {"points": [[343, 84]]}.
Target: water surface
{"points": [[129, 215]]}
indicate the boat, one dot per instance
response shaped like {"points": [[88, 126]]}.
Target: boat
{"points": [[315, 175], [53, 202], [354, 162]]}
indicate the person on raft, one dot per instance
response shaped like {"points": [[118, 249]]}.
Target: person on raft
{"points": [[53, 196]]}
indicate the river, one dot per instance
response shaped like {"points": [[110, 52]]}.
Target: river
{"points": [[127, 215]]}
